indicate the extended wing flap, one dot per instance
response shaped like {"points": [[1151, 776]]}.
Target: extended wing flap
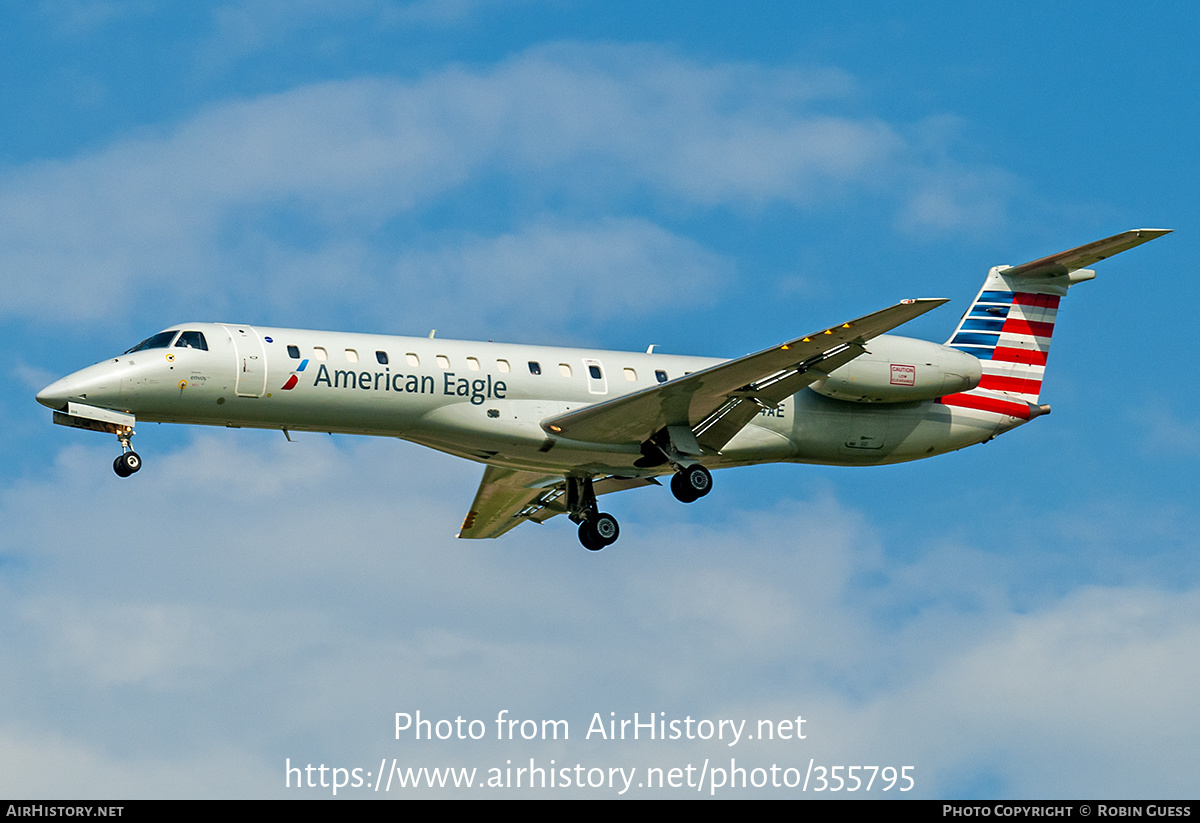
{"points": [[720, 427], [503, 495], [507, 498], [1085, 255], [763, 377]]}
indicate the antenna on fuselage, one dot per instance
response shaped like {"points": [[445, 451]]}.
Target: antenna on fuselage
{"points": [[651, 349], [432, 332]]}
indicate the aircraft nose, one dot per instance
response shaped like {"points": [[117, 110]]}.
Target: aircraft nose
{"points": [[55, 395], [98, 385]]}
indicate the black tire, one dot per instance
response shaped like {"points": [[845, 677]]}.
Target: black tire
{"points": [[126, 464], [589, 540], [682, 493], [690, 484]]}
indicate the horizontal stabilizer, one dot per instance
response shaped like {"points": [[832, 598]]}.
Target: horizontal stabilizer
{"points": [[1085, 255]]}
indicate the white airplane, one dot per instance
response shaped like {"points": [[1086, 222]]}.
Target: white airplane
{"points": [[557, 428]]}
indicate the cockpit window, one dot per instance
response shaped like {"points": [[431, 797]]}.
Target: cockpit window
{"points": [[158, 341], [192, 340]]}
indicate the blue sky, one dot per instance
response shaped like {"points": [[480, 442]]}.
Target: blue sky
{"points": [[1021, 619]]}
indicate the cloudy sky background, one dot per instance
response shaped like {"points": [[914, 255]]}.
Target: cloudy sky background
{"points": [[1021, 619]]}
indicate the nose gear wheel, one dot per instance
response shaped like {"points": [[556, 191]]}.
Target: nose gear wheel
{"points": [[128, 461]]}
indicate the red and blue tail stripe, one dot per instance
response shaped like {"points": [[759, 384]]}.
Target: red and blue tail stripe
{"points": [[1010, 324], [1008, 328]]}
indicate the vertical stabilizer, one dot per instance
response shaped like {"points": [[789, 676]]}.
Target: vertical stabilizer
{"points": [[1011, 322], [1009, 328]]}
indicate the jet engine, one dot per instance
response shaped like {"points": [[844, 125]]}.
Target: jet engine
{"points": [[901, 370]]}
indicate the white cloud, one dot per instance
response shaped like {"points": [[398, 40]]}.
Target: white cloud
{"points": [[77, 17], [248, 27], [1090, 697], [123, 643], [554, 276], [57, 766], [957, 198], [327, 174], [1166, 432], [250, 599], [32, 377]]}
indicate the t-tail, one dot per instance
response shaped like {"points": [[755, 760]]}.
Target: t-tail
{"points": [[1011, 323]]}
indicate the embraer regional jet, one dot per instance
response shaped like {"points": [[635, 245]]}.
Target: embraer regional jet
{"points": [[556, 428]]}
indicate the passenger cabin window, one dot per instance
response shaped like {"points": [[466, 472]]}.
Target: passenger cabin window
{"points": [[351, 356], [473, 363], [443, 361], [412, 359], [503, 366], [564, 369], [535, 367], [631, 375], [660, 375], [320, 353], [294, 352], [381, 357], [158, 341], [192, 340]]}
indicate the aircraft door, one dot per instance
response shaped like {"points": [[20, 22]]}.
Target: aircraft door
{"points": [[597, 382], [251, 358]]}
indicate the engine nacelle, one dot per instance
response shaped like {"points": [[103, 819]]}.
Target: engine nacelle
{"points": [[901, 370]]}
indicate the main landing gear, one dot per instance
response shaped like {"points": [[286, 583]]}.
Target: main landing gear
{"points": [[597, 529], [128, 461], [677, 446], [691, 483]]}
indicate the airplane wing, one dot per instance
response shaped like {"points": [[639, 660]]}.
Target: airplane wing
{"points": [[507, 498], [1068, 261], [716, 403]]}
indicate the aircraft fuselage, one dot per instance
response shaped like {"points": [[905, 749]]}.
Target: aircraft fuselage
{"points": [[557, 428], [485, 401]]}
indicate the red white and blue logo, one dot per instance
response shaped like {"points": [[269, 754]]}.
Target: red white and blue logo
{"points": [[294, 378]]}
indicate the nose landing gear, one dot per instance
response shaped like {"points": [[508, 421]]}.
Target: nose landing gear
{"points": [[128, 461], [126, 464]]}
